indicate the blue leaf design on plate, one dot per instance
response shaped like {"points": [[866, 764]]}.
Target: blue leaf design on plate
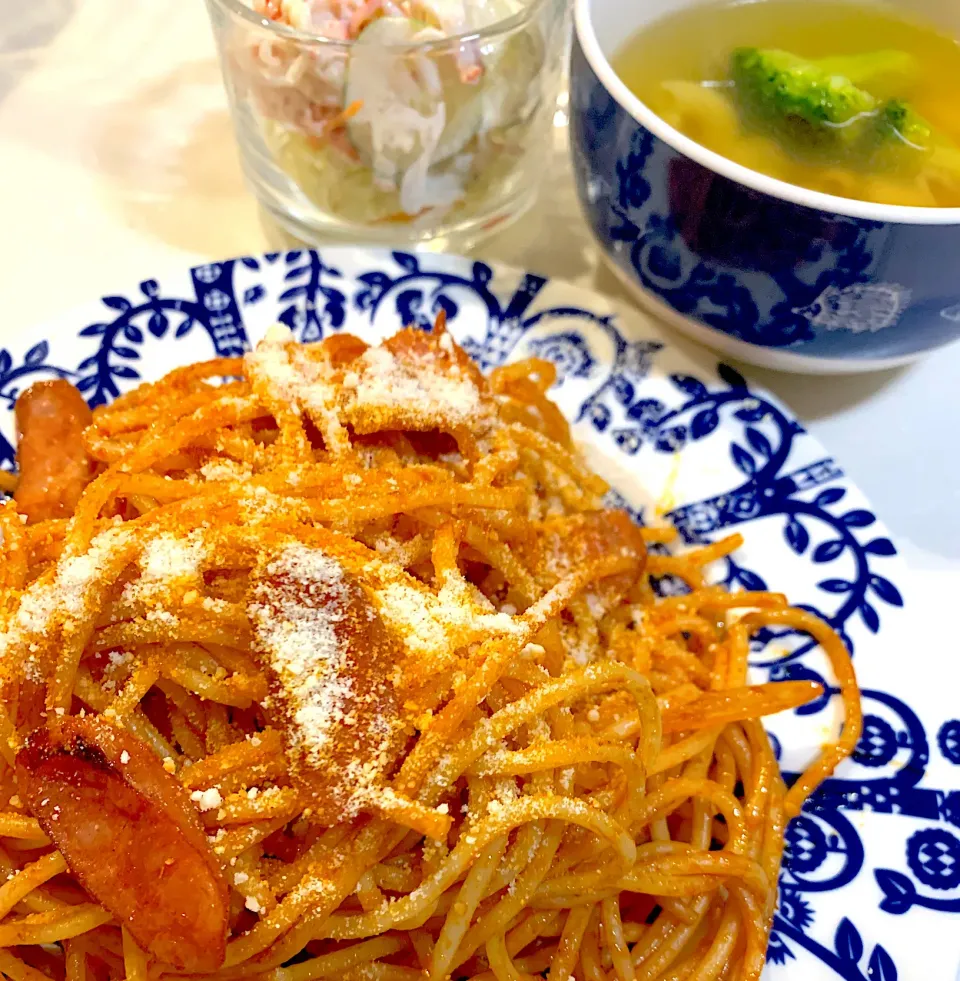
{"points": [[750, 580], [628, 440], [848, 942], [296, 272], [881, 966], [624, 392], [731, 376], [858, 519], [899, 891], [704, 423], [120, 303], [482, 273], [649, 410], [250, 262], [124, 371], [835, 586], [158, 324], [37, 354], [93, 330], [133, 333], [447, 305], [85, 384], [751, 413], [149, 287], [880, 546], [406, 261], [886, 590], [672, 440], [870, 617], [293, 292], [600, 417], [743, 460], [830, 496], [692, 386], [759, 442], [828, 551], [127, 352], [6, 362], [798, 538]]}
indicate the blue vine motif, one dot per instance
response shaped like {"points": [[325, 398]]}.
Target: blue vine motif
{"points": [[214, 307], [823, 850], [682, 258], [616, 391], [420, 295], [822, 853], [846, 959], [767, 488], [312, 306], [933, 857]]}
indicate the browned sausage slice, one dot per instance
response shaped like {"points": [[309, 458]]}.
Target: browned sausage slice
{"points": [[330, 660], [54, 467], [130, 836]]}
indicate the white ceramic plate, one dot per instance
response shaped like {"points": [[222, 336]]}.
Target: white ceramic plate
{"points": [[871, 883]]}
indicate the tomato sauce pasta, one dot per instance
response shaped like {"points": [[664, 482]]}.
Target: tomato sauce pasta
{"points": [[330, 662]]}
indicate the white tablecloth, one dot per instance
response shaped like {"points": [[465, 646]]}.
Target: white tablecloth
{"points": [[117, 160]]}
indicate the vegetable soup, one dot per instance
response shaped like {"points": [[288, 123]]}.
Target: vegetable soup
{"points": [[857, 100]]}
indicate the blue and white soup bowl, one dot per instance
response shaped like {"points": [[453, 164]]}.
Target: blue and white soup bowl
{"points": [[765, 271]]}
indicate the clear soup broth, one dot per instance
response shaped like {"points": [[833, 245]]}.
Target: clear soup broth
{"points": [[857, 100]]}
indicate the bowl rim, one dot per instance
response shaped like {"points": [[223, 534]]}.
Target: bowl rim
{"points": [[830, 203]]}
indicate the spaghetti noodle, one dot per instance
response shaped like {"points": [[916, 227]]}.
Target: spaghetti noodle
{"points": [[339, 667]]}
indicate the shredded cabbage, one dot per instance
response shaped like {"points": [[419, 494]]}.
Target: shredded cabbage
{"points": [[403, 132]]}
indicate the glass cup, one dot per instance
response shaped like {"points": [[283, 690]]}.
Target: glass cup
{"points": [[399, 135]]}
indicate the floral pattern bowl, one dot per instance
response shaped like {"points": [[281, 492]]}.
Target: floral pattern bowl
{"points": [[764, 271]]}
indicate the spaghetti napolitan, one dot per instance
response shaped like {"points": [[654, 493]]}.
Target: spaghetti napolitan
{"points": [[330, 662]]}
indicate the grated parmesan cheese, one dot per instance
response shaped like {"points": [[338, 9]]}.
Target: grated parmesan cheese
{"points": [[431, 624], [302, 645], [423, 390], [45, 605], [226, 469], [167, 558], [290, 377], [207, 799]]}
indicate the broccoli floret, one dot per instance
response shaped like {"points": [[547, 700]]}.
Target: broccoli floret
{"points": [[906, 143], [819, 113], [897, 121], [779, 90]]}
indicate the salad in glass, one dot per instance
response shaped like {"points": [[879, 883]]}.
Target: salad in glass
{"points": [[419, 113]]}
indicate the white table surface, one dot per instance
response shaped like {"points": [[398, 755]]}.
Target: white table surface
{"points": [[117, 160]]}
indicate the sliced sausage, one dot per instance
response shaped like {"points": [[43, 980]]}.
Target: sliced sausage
{"points": [[54, 466], [330, 659], [129, 835]]}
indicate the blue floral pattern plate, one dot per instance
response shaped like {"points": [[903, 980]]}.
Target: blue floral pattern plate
{"points": [[870, 887]]}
